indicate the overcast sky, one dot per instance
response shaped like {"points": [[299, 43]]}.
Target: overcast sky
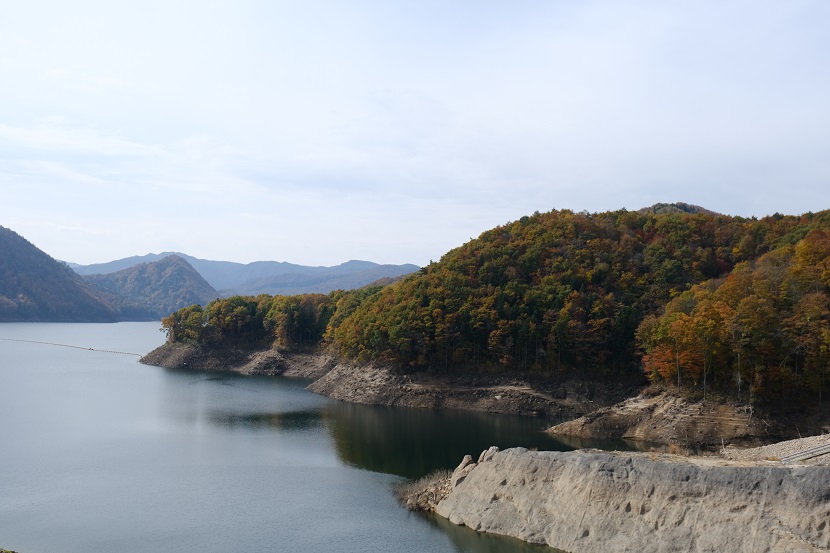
{"points": [[321, 131]]}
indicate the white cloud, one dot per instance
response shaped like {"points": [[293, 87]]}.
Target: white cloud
{"points": [[59, 139], [322, 131]]}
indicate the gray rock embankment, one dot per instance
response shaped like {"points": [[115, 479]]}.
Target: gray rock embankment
{"points": [[666, 418], [264, 361], [375, 384], [599, 501]]}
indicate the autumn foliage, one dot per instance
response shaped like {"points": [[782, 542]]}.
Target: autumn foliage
{"points": [[763, 330], [703, 301]]}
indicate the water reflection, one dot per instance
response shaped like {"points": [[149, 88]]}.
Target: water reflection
{"points": [[405, 442], [573, 442], [289, 422], [412, 442], [465, 539], [238, 402]]}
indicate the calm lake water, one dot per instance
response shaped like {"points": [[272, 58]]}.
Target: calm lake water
{"points": [[103, 454]]}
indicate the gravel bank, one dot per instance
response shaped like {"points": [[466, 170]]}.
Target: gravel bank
{"points": [[774, 452]]}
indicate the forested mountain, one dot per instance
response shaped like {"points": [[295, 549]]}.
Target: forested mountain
{"points": [[160, 287], [35, 287], [563, 294], [272, 277]]}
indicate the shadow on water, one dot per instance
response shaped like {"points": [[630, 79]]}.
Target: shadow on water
{"points": [[573, 442], [413, 442], [406, 442], [465, 539]]}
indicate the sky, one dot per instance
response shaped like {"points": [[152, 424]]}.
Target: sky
{"points": [[319, 131]]}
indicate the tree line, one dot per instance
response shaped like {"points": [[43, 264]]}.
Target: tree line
{"points": [[709, 302]]}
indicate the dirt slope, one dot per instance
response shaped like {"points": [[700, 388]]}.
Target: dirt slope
{"points": [[667, 418]]}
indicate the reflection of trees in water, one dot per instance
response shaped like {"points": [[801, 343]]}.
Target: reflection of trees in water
{"points": [[414, 442], [291, 421], [574, 442]]}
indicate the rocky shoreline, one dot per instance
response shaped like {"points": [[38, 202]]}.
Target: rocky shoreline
{"points": [[661, 416], [262, 361], [610, 501], [586, 410], [670, 419], [375, 384], [382, 385]]}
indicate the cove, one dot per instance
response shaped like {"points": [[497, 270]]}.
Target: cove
{"points": [[102, 454]]}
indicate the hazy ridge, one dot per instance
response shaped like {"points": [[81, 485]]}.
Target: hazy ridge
{"points": [[265, 277]]}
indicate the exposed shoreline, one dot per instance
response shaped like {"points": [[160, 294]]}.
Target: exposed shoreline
{"points": [[667, 418], [590, 500], [585, 410], [267, 362], [374, 384]]}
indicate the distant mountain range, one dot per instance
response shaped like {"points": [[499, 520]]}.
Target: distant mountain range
{"points": [[266, 277], [36, 287]]}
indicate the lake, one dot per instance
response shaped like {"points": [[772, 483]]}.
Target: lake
{"points": [[103, 454]]}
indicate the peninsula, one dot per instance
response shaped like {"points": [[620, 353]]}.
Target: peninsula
{"points": [[672, 317]]}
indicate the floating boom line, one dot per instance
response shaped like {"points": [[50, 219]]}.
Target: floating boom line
{"points": [[70, 346]]}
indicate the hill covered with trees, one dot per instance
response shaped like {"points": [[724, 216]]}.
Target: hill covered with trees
{"points": [[160, 287], [36, 287], [735, 305]]}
